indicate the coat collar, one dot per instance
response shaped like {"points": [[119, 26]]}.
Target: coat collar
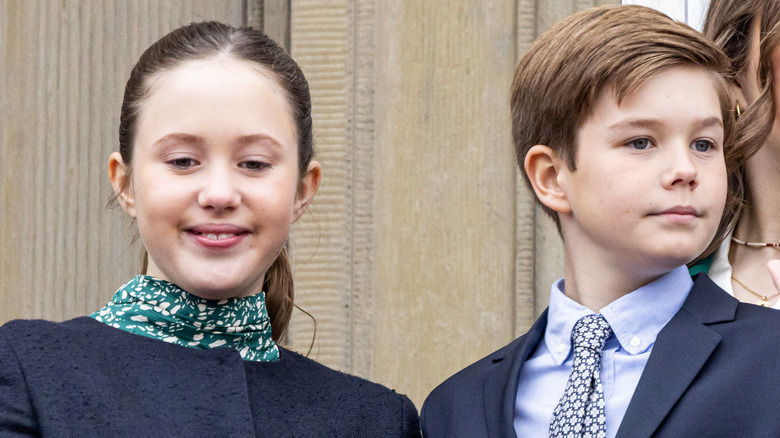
{"points": [[500, 388], [681, 350]]}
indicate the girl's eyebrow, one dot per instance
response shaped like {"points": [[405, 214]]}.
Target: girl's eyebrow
{"points": [[180, 137], [258, 138]]}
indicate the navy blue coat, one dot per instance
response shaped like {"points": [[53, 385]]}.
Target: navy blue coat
{"points": [[714, 371], [82, 378]]}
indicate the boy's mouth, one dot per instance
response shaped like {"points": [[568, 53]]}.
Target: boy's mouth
{"points": [[680, 214], [680, 210]]}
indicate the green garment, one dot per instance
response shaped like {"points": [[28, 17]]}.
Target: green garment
{"points": [[160, 310]]}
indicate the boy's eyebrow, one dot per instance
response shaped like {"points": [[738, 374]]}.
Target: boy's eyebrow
{"points": [[653, 123]]}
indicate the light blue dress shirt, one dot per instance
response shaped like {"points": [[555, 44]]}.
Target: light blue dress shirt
{"points": [[635, 320]]}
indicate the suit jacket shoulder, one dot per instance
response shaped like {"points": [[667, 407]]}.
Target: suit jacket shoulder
{"points": [[478, 401], [714, 371]]}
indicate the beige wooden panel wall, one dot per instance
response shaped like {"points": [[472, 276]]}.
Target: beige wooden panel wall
{"points": [[423, 250]]}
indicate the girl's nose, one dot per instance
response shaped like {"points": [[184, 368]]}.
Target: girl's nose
{"points": [[218, 190]]}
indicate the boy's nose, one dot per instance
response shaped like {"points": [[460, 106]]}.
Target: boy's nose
{"points": [[682, 171], [218, 191]]}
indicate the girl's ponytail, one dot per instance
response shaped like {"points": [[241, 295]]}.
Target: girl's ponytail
{"points": [[279, 294]]}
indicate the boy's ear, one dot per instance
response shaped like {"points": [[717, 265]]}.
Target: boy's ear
{"points": [[119, 175], [544, 168], [307, 188]]}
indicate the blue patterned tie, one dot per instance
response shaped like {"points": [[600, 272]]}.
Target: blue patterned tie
{"points": [[580, 413]]}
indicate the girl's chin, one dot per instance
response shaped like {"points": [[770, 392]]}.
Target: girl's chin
{"points": [[213, 290]]}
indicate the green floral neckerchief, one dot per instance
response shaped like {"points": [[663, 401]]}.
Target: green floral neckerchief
{"points": [[160, 310]]}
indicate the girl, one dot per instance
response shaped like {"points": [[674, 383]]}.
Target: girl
{"points": [[749, 32], [214, 165]]}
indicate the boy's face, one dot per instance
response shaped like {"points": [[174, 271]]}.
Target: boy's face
{"points": [[650, 184]]}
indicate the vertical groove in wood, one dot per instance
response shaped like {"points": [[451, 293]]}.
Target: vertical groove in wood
{"points": [[322, 246], [254, 13], [525, 312], [276, 21], [13, 176], [444, 206], [362, 332], [62, 75]]}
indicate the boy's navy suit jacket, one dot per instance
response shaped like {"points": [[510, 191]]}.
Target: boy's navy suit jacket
{"points": [[714, 371]]}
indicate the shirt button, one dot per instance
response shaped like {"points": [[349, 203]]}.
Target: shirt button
{"points": [[635, 342], [561, 347]]}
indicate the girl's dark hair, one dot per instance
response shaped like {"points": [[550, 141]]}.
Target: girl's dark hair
{"points": [[212, 39]]}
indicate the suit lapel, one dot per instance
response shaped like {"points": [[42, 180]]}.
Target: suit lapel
{"points": [[681, 349], [500, 388]]}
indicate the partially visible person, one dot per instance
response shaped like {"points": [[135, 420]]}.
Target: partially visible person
{"points": [[214, 165], [621, 118], [745, 263]]}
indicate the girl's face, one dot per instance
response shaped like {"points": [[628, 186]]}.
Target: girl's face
{"points": [[214, 185]]}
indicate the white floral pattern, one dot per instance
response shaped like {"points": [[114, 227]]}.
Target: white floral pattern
{"points": [[161, 310], [580, 413]]}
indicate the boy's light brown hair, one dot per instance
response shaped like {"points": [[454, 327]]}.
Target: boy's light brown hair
{"points": [[571, 65]]}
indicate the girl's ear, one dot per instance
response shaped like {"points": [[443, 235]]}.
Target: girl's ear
{"points": [[544, 169], [306, 189], [119, 175], [737, 96]]}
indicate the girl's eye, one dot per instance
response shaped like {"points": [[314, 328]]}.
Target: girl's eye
{"points": [[702, 145], [639, 143], [255, 165], [182, 163]]}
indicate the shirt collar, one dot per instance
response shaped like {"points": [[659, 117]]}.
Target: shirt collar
{"points": [[635, 318]]}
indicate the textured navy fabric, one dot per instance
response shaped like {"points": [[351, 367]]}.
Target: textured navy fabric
{"points": [[82, 378], [714, 371]]}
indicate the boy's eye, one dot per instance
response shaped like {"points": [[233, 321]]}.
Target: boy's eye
{"points": [[639, 143], [702, 145], [254, 165]]}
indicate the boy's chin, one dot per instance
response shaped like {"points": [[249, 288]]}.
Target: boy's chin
{"points": [[656, 266]]}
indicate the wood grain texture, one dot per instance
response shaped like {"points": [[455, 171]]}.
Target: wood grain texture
{"points": [[276, 21], [525, 298], [363, 307], [445, 179], [322, 241], [62, 75]]}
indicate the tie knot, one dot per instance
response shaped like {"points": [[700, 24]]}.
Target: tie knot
{"points": [[590, 332]]}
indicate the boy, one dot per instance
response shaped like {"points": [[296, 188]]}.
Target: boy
{"points": [[620, 117]]}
